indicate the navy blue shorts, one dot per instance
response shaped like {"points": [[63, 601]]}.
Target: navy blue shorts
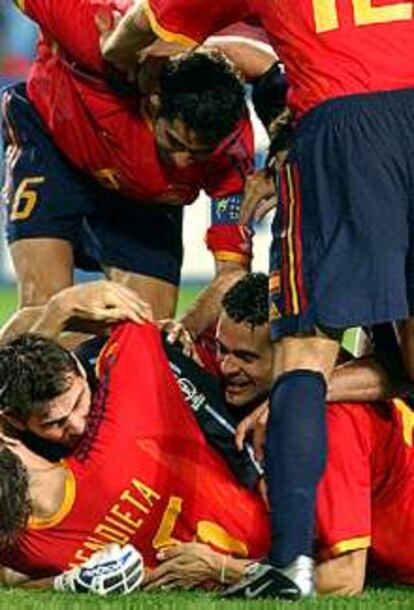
{"points": [[343, 236], [47, 197]]}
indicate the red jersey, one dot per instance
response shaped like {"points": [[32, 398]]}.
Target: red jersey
{"points": [[329, 49], [107, 136], [143, 473], [366, 497]]}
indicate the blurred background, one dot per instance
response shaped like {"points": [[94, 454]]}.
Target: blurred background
{"points": [[17, 46]]}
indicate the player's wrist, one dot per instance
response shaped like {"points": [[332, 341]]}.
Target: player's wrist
{"points": [[61, 308], [229, 570]]}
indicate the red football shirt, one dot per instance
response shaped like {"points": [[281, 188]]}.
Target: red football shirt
{"points": [[110, 137], [366, 497], [143, 473], [329, 48]]}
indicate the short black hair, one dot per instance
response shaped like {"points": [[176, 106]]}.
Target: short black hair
{"points": [[33, 371], [15, 505], [248, 300], [202, 89]]}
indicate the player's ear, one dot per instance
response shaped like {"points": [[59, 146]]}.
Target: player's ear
{"points": [[14, 422], [155, 102]]}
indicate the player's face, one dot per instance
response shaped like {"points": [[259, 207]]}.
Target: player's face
{"points": [[63, 419], [177, 145], [245, 358]]}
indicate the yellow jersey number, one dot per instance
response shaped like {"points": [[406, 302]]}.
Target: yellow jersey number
{"points": [[207, 532], [25, 198], [327, 16]]}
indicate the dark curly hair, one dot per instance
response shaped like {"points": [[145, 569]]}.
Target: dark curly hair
{"points": [[248, 300], [33, 371], [15, 506], [202, 89]]}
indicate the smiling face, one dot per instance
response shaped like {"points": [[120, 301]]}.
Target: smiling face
{"points": [[179, 145], [245, 359], [63, 419]]}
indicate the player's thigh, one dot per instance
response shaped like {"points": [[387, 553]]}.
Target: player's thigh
{"points": [[161, 295], [341, 235], [43, 267], [45, 200]]}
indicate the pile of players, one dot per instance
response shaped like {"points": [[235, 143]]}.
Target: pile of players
{"points": [[110, 100]]}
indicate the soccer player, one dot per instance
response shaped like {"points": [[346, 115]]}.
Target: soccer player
{"points": [[42, 405], [244, 338], [165, 485], [153, 154], [365, 498], [342, 248]]}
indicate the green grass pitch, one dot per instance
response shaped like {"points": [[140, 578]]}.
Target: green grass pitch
{"points": [[373, 599]]}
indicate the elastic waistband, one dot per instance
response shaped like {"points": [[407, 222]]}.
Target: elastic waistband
{"points": [[373, 100]]}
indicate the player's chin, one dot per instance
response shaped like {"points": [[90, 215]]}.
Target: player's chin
{"points": [[238, 396]]}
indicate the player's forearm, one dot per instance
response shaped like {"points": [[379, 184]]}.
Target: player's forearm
{"points": [[11, 578], [22, 321], [54, 317], [252, 58], [359, 380], [132, 34], [207, 306], [344, 575]]}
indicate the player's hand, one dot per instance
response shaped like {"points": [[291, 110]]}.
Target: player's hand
{"points": [[106, 25], [183, 565], [102, 301], [113, 570], [176, 332], [254, 424], [259, 197], [151, 63], [262, 489]]}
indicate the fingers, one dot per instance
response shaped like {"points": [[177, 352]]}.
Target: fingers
{"points": [[103, 23], [177, 333], [259, 435], [255, 422], [166, 576], [264, 207], [259, 188], [136, 308], [262, 489], [242, 429], [106, 301], [169, 552]]}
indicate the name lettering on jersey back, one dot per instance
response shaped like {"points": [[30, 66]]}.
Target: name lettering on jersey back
{"points": [[122, 520], [327, 16]]}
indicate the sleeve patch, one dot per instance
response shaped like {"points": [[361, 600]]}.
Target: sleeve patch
{"points": [[226, 210]]}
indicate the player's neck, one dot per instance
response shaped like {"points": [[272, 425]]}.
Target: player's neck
{"points": [[47, 485], [46, 482]]}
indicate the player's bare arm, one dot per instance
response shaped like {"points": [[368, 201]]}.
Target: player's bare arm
{"points": [[343, 575], [90, 306], [252, 58], [193, 565], [207, 306], [360, 380], [133, 33]]}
